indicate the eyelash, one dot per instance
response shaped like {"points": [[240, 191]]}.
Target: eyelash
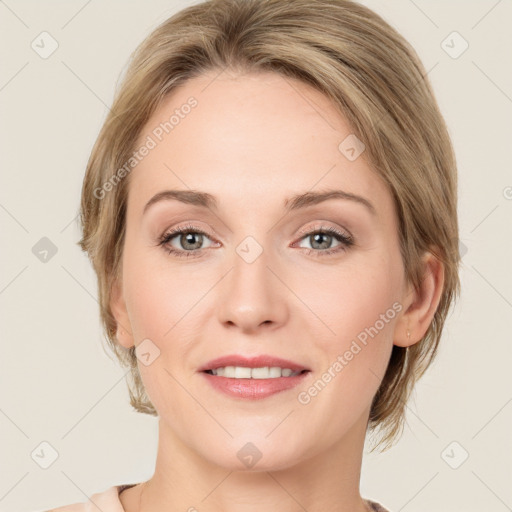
{"points": [[346, 240]]}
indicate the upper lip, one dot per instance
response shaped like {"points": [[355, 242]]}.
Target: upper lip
{"points": [[251, 362]]}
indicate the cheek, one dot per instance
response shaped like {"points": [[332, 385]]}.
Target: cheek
{"points": [[157, 296], [358, 307], [353, 297]]}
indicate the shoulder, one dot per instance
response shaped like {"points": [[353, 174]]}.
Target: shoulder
{"points": [[374, 506], [106, 501]]}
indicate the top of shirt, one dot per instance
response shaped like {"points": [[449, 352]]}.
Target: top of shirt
{"points": [[108, 501]]}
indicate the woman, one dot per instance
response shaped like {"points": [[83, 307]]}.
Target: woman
{"points": [[270, 209]]}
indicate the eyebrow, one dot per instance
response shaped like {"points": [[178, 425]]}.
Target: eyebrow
{"points": [[314, 198], [299, 201], [192, 197]]}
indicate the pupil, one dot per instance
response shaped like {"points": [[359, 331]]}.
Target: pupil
{"points": [[189, 240], [319, 236]]}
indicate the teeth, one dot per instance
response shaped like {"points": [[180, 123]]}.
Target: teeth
{"points": [[241, 372]]}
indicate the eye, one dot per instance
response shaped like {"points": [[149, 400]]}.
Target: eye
{"points": [[188, 237], [191, 239], [321, 240]]}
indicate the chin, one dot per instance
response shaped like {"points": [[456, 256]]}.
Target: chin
{"points": [[255, 453]]}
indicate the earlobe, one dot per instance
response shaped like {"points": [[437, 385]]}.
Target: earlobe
{"points": [[120, 313], [424, 303]]}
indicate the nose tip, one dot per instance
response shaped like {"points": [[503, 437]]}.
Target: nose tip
{"points": [[252, 297]]}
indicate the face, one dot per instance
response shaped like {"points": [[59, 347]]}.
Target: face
{"points": [[258, 272]]}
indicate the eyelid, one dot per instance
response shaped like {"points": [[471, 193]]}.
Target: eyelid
{"points": [[340, 233], [172, 232], [323, 227]]}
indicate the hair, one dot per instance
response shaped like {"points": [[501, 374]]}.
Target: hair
{"points": [[373, 77]]}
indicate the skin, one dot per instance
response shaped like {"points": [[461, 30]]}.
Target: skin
{"points": [[253, 141]]}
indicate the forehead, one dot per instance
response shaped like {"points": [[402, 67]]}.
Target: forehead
{"points": [[260, 136]]}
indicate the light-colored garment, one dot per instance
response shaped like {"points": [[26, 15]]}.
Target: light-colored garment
{"points": [[108, 501]]}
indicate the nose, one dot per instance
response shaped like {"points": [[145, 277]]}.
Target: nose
{"points": [[253, 295]]}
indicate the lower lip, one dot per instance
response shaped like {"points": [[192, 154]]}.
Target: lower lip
{"points": [[253, 389]]}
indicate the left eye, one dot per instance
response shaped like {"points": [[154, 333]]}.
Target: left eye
{"points": [[190, 239], [323, 237]]}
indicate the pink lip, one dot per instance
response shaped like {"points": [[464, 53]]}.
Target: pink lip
{"points": [[252, 362], [252, 389]]}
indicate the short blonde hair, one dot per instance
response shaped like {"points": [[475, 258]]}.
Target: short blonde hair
{"points": [[376, 81]]}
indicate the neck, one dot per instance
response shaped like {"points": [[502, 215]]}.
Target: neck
{"points": [[185, 481]]}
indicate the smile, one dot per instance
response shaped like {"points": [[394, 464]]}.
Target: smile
{"points": [[243, 372]]}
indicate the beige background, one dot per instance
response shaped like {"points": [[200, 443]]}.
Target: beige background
{"points": [[57, 384]]}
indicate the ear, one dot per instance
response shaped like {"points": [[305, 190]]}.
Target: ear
{"points": [[420, 305], [118, 308]]}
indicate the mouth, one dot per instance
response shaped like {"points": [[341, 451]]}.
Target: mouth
{"points": [[263, 372], [253, 377]]}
